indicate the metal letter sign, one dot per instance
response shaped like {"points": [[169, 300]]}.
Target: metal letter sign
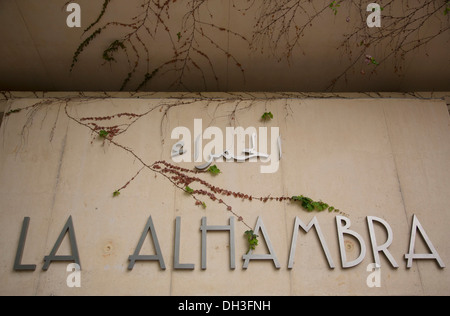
{"points": [[384, 247], [229, 228], [18, 266], [176, 257], [342, 224], [411, 255], [345, 230], [73, 245], [249, 153], [137, 257], [271, 256], [314, 222]]}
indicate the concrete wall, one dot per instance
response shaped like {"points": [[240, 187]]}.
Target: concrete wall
{"points": [[384, 157]]}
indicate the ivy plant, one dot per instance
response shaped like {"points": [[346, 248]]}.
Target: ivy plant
{"points": [[252, 239], [334, 6], [214, 170], [103, 133], [371, 60], [189, 190], [311, 205], [267, 116], [114, 47]]}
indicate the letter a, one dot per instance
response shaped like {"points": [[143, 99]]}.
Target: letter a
{"points": [[74, 18], [374, 19], [73, 244], [137, 257], [410, 256], [271, 256]]}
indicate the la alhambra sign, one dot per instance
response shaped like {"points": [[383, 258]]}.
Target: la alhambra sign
{"points": [[343, 225], [58, 208]]}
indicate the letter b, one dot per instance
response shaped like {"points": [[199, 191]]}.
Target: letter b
{"points": [[344, 229]]}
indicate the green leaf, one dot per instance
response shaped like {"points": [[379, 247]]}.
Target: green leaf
{"points": [[103, 133], [113, 47], [12, 111], [252, 239], [188, 189], [214, 170], [267, 116], [116, 193], [310, 205], [333, 6]]}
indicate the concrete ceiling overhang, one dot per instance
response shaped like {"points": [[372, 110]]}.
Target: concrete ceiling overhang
{"points": [[224, 45]]}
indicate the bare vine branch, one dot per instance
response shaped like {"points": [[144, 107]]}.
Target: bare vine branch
{"points": [[189, 43], [279, 26]]}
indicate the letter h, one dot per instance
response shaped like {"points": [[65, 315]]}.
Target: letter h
{"points": [[229, 228]]}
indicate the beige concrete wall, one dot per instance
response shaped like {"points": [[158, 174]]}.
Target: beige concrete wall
{"points": [[384, 157]]}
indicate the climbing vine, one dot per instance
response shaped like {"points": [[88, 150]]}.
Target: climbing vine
{"points": [[189, 42], [190, 181], [252, 240], [194, 37]]}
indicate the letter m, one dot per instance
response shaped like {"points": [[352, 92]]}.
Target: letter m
{"points": [[314, 222]]}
